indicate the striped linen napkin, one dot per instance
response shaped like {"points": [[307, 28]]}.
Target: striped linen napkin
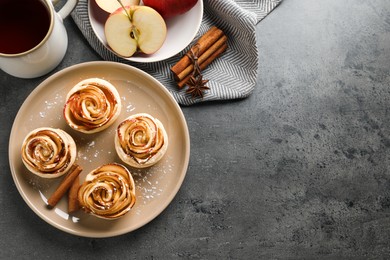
{"points": [[232, 76]]}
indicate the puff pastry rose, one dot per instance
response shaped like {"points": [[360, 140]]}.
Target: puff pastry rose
{"points": [[108, 191], [92, 105], [141, 140], [48, 152]]}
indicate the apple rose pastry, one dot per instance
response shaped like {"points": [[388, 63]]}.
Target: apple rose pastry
{"points": [[141, 140], [48, 152], [92, 105], [108, 192]]}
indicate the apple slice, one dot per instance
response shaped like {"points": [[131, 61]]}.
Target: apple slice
{"points": [[111, 6], [118, 32], [140, 29], [151, 28]]}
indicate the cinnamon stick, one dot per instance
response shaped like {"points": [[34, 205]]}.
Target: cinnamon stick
{"points": [[64, 185], [207, 62], [204, 43], [73, 202], [202, 58]]}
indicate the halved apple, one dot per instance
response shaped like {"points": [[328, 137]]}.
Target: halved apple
{"points": [[135, 28], [111, 6]]}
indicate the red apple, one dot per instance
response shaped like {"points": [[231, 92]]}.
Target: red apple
{"points": [[139, 28], [170, 8]]}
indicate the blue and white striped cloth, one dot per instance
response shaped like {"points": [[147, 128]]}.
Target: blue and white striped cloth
{"points": [[231, 76]]}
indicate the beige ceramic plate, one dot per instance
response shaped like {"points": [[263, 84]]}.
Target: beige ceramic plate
{"points": [[181, 30], [155, 187]]}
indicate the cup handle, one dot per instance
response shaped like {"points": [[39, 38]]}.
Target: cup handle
{"points": [[67, 8]]}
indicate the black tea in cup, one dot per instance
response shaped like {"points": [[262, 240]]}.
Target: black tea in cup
{"points": [[23, 25]]}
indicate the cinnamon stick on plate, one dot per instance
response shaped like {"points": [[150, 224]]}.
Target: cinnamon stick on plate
{"points": [[73, 202], [207, 48], [64, 185]]}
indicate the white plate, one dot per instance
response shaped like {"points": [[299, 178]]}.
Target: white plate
{"points": [[155, 186], [181, 30]]}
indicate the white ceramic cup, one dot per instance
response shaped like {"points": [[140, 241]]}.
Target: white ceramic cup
{"points": [[48, 53]]}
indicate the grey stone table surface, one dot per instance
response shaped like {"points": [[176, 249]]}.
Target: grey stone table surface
{"points": [[298, 170]]}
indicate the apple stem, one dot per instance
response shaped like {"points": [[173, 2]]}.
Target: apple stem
{"points": [[124, 9], [134, 32]]}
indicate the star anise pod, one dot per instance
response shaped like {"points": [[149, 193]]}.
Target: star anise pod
{"points": [[196, 86]]}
